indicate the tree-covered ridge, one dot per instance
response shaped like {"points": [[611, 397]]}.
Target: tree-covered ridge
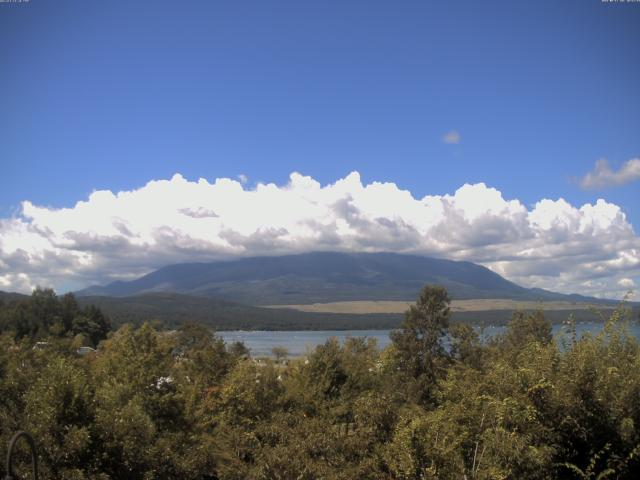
{"points": [[156, 404], [174, 309]]}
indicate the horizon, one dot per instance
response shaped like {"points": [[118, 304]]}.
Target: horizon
{"points": [[137, 135]]}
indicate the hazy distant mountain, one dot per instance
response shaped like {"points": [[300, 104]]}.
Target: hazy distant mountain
{"points": [[325, 277], [11, 296]]}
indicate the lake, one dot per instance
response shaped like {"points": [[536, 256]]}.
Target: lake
{"points": [[298, 343]]}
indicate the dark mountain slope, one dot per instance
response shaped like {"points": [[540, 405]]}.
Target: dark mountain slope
{"points": [[325, 277], [11, 296]]}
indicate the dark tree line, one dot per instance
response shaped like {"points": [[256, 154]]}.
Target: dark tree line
{"points": [[44, 315]]}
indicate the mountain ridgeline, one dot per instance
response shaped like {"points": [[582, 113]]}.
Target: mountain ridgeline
{"points": [[325, 277]]}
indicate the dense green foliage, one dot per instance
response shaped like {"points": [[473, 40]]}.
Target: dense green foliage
{"points": [[156, 404], [44, 315]]}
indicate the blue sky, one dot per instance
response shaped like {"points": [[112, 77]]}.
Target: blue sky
{"points": [[111, 95]]}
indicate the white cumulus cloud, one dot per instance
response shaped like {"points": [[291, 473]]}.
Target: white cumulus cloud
{"points": [[603, 176], [626, 283], [590, 249]]}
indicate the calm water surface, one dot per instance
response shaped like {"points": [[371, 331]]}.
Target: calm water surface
{"points": [[298, 343]]}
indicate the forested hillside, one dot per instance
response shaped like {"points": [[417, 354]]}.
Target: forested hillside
{"points": [[171, 310], [152, 404]]}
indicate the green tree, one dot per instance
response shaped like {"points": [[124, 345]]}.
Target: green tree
{"points": [[44, 314], [466, 346], [526, 327], [280, 353], [418, 344], [58, 412]]}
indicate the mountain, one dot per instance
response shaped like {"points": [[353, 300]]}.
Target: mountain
{"points": [[11, 296], [325, 277]]}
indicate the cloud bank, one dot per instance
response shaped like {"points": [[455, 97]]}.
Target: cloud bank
{"points": [[602, 176], [590, 249]]}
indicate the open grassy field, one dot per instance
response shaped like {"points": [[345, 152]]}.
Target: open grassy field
{"points": [[390, 306]]}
